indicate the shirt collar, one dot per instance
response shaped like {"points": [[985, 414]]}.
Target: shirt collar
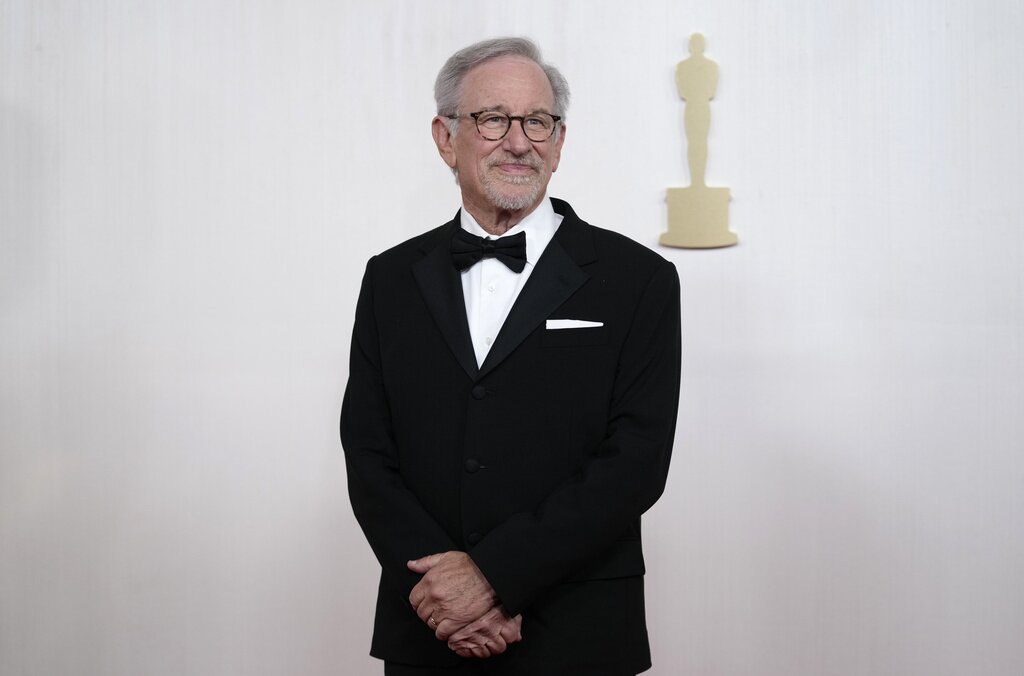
{"points": [[539, 225]]}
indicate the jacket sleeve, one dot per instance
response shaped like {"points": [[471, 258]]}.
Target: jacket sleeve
{"points": [[532, 551], [395, 523]]}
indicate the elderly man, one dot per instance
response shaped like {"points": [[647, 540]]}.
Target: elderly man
{"points": [[511, 403]]}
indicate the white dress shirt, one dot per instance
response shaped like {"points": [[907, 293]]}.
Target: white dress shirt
{"points": [[489, 287]]}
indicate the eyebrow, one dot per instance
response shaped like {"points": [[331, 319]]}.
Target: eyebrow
{"points": [[504, 109]]}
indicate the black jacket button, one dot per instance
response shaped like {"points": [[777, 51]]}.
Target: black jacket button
{"points": [[479, 392], [472, 465]]}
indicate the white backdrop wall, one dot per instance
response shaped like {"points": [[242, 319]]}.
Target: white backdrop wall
{"points": [[189, 190]]}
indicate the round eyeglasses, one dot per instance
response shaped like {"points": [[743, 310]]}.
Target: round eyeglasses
{"points": [[494, 125]]}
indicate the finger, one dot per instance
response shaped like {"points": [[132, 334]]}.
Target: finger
{"points": [[486, 625], [510, 632], [427, 608], [518, 622], [447, 627], [416, 598], [425, 611], [480, 652], [497, 645], [418, 594], [519, 627], [480, 636], [468, 633], [423, 564], [469, 643]]}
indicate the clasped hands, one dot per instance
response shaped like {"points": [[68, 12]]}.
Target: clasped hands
{"points": [[455, 600]]}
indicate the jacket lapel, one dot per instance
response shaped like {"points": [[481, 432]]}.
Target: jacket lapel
{"points": [[555, 278], [441, 287]]}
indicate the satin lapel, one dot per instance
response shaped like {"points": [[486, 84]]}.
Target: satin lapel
{"points": [[442, 290], [555, 278]]}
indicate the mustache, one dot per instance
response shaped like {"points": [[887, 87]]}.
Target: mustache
{"points": [[531, 161]]}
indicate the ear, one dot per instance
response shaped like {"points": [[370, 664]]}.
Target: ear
{"points": [[443, 139], [558, 148]]}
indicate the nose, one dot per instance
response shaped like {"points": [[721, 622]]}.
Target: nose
{"points": [[515, 140]]}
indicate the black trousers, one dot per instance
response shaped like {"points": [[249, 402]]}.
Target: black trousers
{"points": [[468, 668]]}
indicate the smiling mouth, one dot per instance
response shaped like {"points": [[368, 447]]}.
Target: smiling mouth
{"points": [[513, 168]]}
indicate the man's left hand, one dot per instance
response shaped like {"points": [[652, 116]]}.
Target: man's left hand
{"points": [[489, 635], [452, 593]]}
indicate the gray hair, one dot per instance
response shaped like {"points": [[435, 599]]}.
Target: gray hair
{"points": [[448, 86]]}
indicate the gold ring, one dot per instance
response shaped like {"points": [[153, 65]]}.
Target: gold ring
{"points": [[432, 622]]}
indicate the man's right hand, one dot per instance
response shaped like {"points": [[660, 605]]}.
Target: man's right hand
{"points": [[452, 593]]}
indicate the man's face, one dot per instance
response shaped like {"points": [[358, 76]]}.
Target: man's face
{"points": [[511, 174]]}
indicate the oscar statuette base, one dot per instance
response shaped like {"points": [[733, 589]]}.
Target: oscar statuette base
{"points": [[698, 218]]}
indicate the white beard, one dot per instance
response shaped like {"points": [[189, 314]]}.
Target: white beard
{"points": [[515, 201]]}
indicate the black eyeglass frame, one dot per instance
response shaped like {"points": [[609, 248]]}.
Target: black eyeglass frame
{"points": [[512, 118]]}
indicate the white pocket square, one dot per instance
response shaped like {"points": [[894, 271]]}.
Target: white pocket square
{"points": [[571, 324]]}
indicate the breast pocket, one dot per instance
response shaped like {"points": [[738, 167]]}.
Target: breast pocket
{"points": [[594, 335]]}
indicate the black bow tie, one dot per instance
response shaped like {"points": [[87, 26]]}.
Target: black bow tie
{"points": [[468, 249]]}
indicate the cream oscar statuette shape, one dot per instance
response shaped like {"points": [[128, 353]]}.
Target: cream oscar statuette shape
{"points": [[698, 216]]}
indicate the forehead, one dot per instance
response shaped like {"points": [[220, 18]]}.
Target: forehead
{"points": [[509, 82]]}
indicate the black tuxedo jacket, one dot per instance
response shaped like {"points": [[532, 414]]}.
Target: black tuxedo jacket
{"points": [[539, 463]]}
